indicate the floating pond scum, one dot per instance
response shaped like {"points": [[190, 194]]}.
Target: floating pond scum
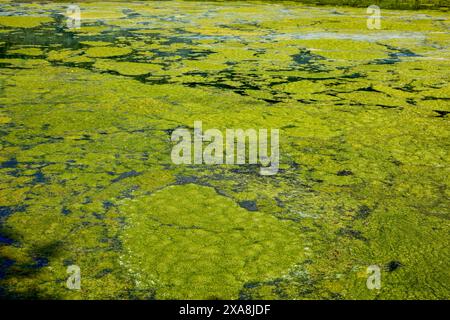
{"points": [[92, 205]]}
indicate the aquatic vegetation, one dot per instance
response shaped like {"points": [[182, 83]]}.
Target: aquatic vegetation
{"points": [[126, 68], [27, 51], [86, 176], [204, 241], [23, 21], [105, 52]]}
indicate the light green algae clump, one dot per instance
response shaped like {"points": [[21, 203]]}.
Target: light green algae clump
{"points": [[23, 21], [105, 52], [186, 237]]}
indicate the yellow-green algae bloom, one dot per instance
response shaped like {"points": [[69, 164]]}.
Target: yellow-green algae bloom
{"points": [[86, 176]]}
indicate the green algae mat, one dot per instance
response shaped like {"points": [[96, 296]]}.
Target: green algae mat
{"points": [[87, 180]]}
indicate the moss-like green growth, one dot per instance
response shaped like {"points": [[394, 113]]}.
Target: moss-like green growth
{"points": [[204, 241], [23, 21], [86, 176], [105, 52], [27, 51]]}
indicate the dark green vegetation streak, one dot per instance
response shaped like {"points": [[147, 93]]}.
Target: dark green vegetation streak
{"points": [[389, 4], [86, 176]]}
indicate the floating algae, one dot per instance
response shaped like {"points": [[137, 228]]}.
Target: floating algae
{"points": [[211, 244], [102, 52], [23, 21], [126, 68], [86, 177]]}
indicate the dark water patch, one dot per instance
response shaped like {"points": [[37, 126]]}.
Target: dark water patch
{"points": [[389, 107], [131, 14], [84, 137], [441, 113], [279, 202], [11, 163], [391, 60], [184, 53], [271, 101], [393, 265], [217, 85], [5, 240], [436, 98], [68, 262], [174, 40], [6, 211], [111, 72], [243, 82], [39, 177], [344, 173], [249, 205], [107, 205], [31, 37], [60, 36], [411, 101], [145, 156], [83, 65], [5, 264], [290, 79], [396, 162], [103, 273], [39, 262], [128, 193], [87, 200], [98, 216], [395, 56], [65, 211], [405, 53], [5, 65], [7, 235], [126, 175], [186, 180], [363, 212], [305, 60], [409, 87], [161, 79], [350, 233], [369, 89], [354, 75], [72, 165], [52, 139], [306, 57], [252, 169]]}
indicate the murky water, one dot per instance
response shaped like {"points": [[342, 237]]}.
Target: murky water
{"points": [[87, 179]]}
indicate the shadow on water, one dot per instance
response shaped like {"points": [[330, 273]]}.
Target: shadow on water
{"points": [[11, 269]]}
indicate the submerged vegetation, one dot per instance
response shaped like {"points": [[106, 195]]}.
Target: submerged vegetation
{"points": [[86, 177]]}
